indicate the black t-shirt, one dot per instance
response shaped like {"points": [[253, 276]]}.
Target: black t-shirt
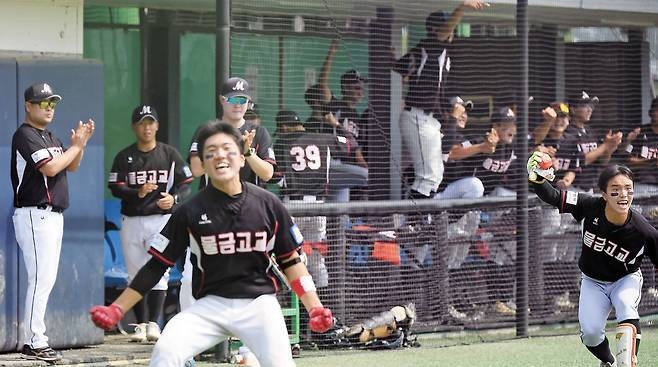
{"points": [[645, 147], [132, 168], [31, 148], [231, 241], [262, 143], [305, 159], [609, 251], [576, 144], [427, 65]]}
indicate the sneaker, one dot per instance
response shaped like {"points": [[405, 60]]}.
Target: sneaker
{"points": [[139, 335], [456, 314], [608, 364], [44, 354], [152, 331], [504, 309]]}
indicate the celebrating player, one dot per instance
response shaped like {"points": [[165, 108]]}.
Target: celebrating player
{"points": [[615, 239], [38, 175], [232, 228], [149, 177]]}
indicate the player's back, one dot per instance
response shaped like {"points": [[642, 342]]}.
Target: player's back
{"points": [[305, 159]]}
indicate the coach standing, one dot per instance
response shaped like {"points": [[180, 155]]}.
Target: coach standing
{"points": [[427, 66], [39, 163]]}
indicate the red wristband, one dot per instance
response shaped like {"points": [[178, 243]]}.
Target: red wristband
{"points": [[303, 285]]}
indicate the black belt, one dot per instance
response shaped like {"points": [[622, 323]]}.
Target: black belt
{"points": [[53, 208]]}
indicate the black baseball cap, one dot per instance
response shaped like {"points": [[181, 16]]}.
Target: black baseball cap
{"points": [[503, 115], [40, 92], [143, 111], [561, 108], [235, 87], [286, 117], [582, 98], [352, 77], [436, 19]]}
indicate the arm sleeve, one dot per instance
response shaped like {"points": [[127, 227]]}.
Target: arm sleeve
{"points": [[566, 201], [148, 276], [32, 148], [288, 235], [170, 244], [117, 181]]}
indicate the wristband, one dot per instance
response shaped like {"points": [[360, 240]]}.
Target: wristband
{"points": [[249, 152], [303, 285]]}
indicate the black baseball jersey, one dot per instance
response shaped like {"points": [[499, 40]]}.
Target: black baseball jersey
{"points": [[347, 117], [231, 240], [31, 148], [491, 169], [577, 143], [262, 143], [427, 65], [305, 159], [132, 168], [563, 159], [609, 251], [645, 146]]}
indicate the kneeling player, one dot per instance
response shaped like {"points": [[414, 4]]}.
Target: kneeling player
{"points": [[615, 239], [232, 227]]}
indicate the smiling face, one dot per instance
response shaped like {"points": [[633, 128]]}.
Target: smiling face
{"points": [[583, 112], [222, 159], [619, 194]]}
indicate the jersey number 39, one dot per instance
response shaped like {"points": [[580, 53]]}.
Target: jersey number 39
{"points": [[308, 157]]}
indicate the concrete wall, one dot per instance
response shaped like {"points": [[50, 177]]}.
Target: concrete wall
{"points": [[41, 27]]}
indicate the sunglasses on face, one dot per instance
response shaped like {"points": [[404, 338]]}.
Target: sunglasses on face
{"points": [[45, 104], [237, 100]]}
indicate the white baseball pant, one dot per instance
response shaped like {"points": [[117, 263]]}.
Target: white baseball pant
{"points": [[135, 234], [39, 235], [421, 133], [210, 320], [597, 299]]}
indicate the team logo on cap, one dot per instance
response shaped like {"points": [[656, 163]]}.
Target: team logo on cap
{"points": [[47, 89], [239, 85], [146, 110]]}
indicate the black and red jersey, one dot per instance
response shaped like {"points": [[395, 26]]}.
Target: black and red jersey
{"points": [[576, 144], [231, 240], [305, 160], [609, 251], [645, 147], [132, 168], [31, 148]]}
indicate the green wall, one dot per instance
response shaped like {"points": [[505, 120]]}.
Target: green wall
{"points": [[119, 50]]}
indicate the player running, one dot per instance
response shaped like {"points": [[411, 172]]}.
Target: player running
{"points": [[615, 239], [232, 228]]}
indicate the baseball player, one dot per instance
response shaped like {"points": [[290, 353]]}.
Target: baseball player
{"points": [[642, 152], [149, 177], [261, 162], [39, 163], [427, 66], [615, 239], [586, 153], [232, 227]]}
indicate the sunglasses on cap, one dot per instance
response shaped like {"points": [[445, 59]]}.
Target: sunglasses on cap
{"points": [[45, 104], [564, 108], [237, 100]]}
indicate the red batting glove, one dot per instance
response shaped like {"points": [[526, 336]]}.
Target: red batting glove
{"points": [[106, 317], [321, 319]]}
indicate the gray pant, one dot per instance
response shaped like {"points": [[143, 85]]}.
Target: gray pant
{"points": [[343, 176], [421, 133]]}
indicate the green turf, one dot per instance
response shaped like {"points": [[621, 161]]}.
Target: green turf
{"points": [[562, 351]]}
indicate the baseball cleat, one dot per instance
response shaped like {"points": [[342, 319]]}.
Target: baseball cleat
{"points": [[152, 332], [139, 335]]}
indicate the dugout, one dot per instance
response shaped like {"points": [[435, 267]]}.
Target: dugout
{"points": [[79, 281]]}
